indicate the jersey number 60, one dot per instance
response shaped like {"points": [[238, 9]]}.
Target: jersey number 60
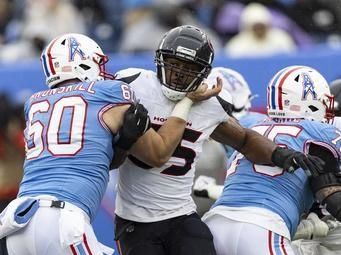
{"points": [[37, 139]]}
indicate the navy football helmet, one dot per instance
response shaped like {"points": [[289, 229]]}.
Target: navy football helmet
{"points": [[183, 60]]}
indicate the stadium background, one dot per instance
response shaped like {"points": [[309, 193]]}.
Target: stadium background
{"points": [[21, 75]]}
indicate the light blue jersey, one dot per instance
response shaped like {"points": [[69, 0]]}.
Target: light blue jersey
{"points": [[68, 146], [252, 118], [286, 194], [247, 120]]}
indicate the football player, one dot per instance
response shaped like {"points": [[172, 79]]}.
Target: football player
{"points": [[155, 213], [260, 207], [208, 174], [233, 82], [238, 87], [320, 234], [70, 132]]}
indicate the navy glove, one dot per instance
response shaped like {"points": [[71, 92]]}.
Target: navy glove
{"points": [[290, 160], [136, 122]]}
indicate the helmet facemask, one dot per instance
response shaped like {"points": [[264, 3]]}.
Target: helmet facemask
{"points": [[330, 110], [180, 75], [335, 89], [183, 60], [101, 61]]}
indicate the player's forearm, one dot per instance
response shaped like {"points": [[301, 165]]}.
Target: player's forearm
{"points": [[171, 132], [170, 136], [159, 147], [257, 148], [156, 148]]}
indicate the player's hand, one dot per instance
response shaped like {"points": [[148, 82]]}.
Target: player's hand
{"points": [[321, 228], [290, 160], [203, 92], [202, 184], [207, 187], [304, 230], [311, 227], [332, 222], [136, 122]]}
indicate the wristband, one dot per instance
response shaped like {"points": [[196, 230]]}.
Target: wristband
{"points": [[182, 108]]}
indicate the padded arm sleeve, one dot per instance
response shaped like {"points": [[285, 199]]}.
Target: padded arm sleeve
{"points": [[327, 185]]}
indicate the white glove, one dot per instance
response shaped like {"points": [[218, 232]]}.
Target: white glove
{"points": [[333, 223], [304, 230], [320, 227], [310, 227], [205, 186]]}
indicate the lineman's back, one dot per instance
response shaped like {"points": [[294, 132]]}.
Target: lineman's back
{"points": [[69, 147]]}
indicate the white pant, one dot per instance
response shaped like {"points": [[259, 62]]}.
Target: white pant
{"points": [[240, 238], [51, 233]]}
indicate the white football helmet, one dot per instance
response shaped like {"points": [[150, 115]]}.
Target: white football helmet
{"points": [[236, 85], [73, 56], [299, 92]]}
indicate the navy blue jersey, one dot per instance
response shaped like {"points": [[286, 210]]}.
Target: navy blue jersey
{"points": [[287, 194], [68, 146]]}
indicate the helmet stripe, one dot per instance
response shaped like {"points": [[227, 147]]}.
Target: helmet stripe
{"points": [[49, 57], [273, 90], [280, 103], [46, 71]]}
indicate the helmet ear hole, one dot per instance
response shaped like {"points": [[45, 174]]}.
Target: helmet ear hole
{"points": [[313, 108], [85, 67]]}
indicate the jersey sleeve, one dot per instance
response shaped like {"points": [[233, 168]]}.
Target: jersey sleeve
{"points": [[330, 139], [334, 136], [251, 118], [129, 74], [115, 92]]}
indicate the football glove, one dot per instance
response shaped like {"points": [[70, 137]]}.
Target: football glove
{"points": [[290, 160], [136, 122]]}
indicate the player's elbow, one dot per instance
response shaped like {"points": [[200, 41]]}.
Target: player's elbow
{"points": [[163, 160], [158, 161]]}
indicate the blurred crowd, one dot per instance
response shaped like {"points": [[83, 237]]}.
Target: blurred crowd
{"points": [[11, 149], [237, 27]]}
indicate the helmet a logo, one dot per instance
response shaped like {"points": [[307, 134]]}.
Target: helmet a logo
{"points": [[308, 87], [74, 49]]}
